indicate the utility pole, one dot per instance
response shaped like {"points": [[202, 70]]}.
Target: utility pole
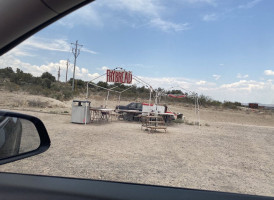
{"points": [[59, 74], [76, 51], [67, 70]]}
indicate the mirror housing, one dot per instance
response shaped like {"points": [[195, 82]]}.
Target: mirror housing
{"points": [[11, 124]]}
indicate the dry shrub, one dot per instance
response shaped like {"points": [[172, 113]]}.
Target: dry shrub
{"points": [[18, 102], [189, 123], [37, 103]]}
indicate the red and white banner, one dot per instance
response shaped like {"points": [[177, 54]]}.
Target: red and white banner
{"points": [[118, 76]]}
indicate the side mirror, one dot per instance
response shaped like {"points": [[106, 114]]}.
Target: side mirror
{"points": [[21, 136]]}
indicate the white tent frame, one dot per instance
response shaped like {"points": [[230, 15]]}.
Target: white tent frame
{"points": [[193, 94], [196, 102], [111, 89]]}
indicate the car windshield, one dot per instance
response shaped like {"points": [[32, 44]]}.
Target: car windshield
{"points": [[198, 73]]}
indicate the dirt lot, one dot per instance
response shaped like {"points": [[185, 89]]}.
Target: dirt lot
{"points": [[233, 153]]}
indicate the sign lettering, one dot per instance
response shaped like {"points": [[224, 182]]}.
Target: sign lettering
{"points": [[115, 76]]}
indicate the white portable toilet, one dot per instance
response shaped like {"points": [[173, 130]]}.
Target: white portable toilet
{"points": [[80, 112]]}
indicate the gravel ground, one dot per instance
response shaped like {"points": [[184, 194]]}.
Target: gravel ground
{"points": [[230, 156]]}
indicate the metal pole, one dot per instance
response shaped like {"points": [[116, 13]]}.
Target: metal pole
{"points": [[156, 104], [67, 71], [119, 99], [107, 100], [149, 99], [87, 91], [108, 94], [86, 113], [76, 53], [198, 110], [195, 110], [74, 65]]}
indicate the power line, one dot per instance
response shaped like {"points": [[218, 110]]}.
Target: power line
{"points": [[75, 51]]}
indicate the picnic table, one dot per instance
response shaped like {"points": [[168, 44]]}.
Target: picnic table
{"points": [[100, 114], [153, 122]]}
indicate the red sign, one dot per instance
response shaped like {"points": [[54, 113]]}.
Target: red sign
{"points": [[115, 76]]}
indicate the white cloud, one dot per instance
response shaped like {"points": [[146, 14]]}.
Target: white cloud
{"points": [[45, 44], [83, 49], [8, 60], [52, 67], [269, 72], [221, 64], [93, 76], [210, 17], [168, 26], [87, 16], [84, 70], [242, 91], [211, 2], [245, 91], [243, 85], [104, 68], [242, 76], [147, 12], [168, 82], [149, 8], [19, 51], [250, 4], [216, 76], [201, 82]]}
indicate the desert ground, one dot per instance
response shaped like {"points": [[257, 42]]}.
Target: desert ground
{"points": [[231, 151]]}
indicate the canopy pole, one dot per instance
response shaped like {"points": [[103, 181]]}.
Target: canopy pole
{"points": [[108, 94], [86, 108], [156, 104], [198, 110], [149, 99], [86, 112], [107, 100], [87, 91], [195, 109], [119, 99]]}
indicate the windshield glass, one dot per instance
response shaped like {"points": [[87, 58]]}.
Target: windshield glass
{"points": [[194, 80]]}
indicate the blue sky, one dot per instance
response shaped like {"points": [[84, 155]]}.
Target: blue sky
{"points": [[220, 48]]}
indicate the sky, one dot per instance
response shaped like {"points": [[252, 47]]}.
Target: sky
{"points": [[223, 49]]}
